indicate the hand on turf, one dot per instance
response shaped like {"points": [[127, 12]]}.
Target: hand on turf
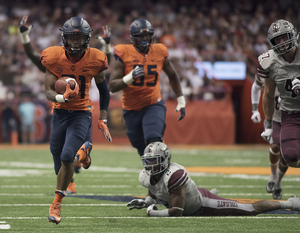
{"points": [[71, 94], [256, 116], [102, 126], [137, 204], [150, 208]]}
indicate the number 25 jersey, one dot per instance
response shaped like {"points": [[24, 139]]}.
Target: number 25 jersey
{"points": [[146, 90], [94, 61]]}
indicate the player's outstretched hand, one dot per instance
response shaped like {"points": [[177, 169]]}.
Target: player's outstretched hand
{"points": [[105, 38], [137, 204], [102, 126], [24, 30]]}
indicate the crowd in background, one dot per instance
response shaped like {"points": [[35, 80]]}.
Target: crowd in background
{"points": [[203, 30]]}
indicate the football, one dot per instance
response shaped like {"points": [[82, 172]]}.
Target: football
{"points": [[61, 83]]}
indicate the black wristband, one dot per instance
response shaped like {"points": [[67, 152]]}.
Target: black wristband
{"points": [[268, 124]]}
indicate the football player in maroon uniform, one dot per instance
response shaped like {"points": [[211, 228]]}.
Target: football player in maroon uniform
{"points": [[169, 183]]}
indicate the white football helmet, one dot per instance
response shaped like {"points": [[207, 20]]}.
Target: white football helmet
{"points": [[156, 158], [281, 27]]}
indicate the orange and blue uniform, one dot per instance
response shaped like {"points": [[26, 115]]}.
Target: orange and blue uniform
{"points": [[71, 122], [144, 110]]}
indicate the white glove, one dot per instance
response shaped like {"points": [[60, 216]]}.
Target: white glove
{"points": [[105, 39], [180, 107], [267, 134], [24, 30], [256, 116], [296, 85], [151, 207], [137, 204]]}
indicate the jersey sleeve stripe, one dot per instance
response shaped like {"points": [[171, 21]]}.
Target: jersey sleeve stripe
{"points": [[177, 179]]}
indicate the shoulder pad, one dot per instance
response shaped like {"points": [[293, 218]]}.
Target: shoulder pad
{"points": [[267, 59]]}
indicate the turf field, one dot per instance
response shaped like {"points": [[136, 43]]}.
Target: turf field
{"points": [[27, 184]]}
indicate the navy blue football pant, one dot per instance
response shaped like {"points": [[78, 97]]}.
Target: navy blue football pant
{"points": [[69, 130], [145, 126]]}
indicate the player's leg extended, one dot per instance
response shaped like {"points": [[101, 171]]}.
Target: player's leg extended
{"points": [[290, 138], [154, 122], [274, 156], [214, 205], [133, 121]]}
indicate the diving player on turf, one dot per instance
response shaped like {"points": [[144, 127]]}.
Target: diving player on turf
{"points": [[169, 183]]}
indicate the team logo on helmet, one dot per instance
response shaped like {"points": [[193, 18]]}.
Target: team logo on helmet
{"points": [[275, 27]]}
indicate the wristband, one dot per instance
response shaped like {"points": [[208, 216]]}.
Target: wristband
{"points": [[181, 100], [268, 124], [25, 38], [254, 107], [128, 78], [107, 48], [159, 213], [60, 98]]}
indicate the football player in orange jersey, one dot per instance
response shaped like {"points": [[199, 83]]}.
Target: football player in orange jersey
{"points": [[34, 56], [137, 72], [72, 117]]}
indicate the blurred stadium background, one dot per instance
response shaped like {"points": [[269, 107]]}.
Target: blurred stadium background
{"points": [[213, 44]]}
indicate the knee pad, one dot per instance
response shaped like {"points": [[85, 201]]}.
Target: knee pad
{"points": [[275, 149], [67, 155]]}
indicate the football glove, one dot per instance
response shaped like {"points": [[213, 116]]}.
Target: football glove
{"points": [[151, 207], [102, 126], [71, 94], [24, 30], [180, 107], [256, 116], [138, 72], [105, 39], [296, 85], [267, 134], [137, 204]]}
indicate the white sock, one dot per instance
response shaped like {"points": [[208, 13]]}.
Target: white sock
{"points": [[273, 167], [286, 204]]}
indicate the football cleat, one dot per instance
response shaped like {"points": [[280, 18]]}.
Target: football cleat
{"points": [[214, 191], [84, 154], [71, 188], [54, 213], [277, 194], [296, 203], [271, 185]]}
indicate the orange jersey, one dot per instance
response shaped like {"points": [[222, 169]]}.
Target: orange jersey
{"points": [[93, 62], [143, 91]]}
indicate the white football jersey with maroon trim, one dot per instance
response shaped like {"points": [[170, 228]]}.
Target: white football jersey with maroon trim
{"points": [[174, 177], [273, 66]]}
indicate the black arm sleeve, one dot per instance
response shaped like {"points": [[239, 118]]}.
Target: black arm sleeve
{"points": [[104, 95]]}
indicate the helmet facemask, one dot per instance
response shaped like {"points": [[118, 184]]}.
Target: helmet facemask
{"points": [[76, 34], [156, 158], [142, 41], [285, 30], [75, 43]]}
